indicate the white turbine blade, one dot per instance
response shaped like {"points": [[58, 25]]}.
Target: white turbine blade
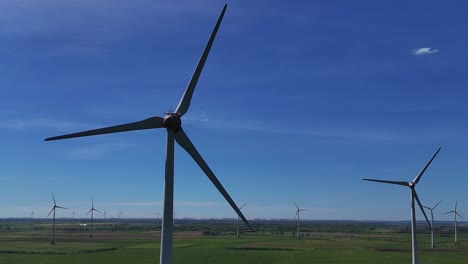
{"points": [[183, 140], [97, 211], [53, 198], [92, 204], [61, 207], [89, 211], [427, 207], [449, 212], [187, 97], [152, 122], [416, 180], [296, 205], [297, 212], [459, 215], [390, 182], [436, 205], [53, 208], [422, 209], [456, 203], [242, 206]]}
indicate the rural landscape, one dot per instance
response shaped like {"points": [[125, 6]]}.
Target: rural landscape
{"points": [[215, 241], [296, 138]]}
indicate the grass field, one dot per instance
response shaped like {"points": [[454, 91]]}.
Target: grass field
{"points": [[19, 245]]}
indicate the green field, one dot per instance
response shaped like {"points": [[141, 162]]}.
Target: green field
{"points": [[20, 245]]}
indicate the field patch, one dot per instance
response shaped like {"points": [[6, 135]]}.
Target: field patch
{"points": [[156, 245], [45, 248]]}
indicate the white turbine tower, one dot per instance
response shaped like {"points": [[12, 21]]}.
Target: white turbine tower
{"points": [[32, 215], [413, 196], [92, 216], [73, 214], [172, 123], [455, 213], [120, 214], [52, 236], [432, 222], [298, 220], [240, 208]]}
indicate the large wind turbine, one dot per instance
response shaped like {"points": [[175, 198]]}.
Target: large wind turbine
{"points": [[52, 236], [455, 213], [92, 214], [240, 208], [414, 196], [172, 123], [432, 223], [298, 220]]}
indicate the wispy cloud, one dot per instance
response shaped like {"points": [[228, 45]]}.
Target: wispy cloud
{"points": [[97, 150], [41, 123], [424, 51]]}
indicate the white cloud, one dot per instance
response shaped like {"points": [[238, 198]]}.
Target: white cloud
{"points": [[424, 51]]}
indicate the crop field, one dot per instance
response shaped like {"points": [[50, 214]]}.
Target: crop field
{"points": [[21, 244]]}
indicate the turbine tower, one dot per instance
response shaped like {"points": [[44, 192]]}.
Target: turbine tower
{"points": [[455, 213], [432, 223], [92, 214], [32, 215], [172, 123], [52, 236], [298, 220], [240, 208], [73, 214], [120, 214], [413, 196]]}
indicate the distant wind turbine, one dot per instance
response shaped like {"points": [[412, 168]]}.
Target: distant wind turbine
{"points": [[157, 217], [92, 214], [52, 236], [414, 196], [298, 220], [120, 214], [32, 215], [73, 214], [455, 213], [240, 208], [172, 123], [432, 223]]}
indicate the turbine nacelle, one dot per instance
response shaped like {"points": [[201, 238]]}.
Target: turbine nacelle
{"points": [[172, 121]]}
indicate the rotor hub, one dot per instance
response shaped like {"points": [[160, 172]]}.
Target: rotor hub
{"points": [[172, 121]]}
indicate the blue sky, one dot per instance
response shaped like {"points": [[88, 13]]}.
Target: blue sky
{"points": [[296, 102]]}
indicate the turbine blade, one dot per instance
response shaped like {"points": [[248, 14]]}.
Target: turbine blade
{"points": [[297, 212], [152, 122], [97, 211], [92, 204], [296, 205], [416, 180], [390, 182], [53, 208], [53, 198], [449, 212], [89, 211], [187, 97], [183, 140], [436, 205], [422, 209], [459, 215], [61, 207], [427, 207], [242, 206], [456, 202]]}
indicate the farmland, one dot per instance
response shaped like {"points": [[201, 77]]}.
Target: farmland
{"points": [[137, 241]]}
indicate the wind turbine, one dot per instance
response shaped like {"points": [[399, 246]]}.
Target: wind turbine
{"points": [[104, 212], [120, 214], [172, 123], [414, 196], [297, 215], [455, 213], [92, 213], [432, 223], [52, 237], [157, 216], [73, 214], [32, 215], [240, 208]]}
